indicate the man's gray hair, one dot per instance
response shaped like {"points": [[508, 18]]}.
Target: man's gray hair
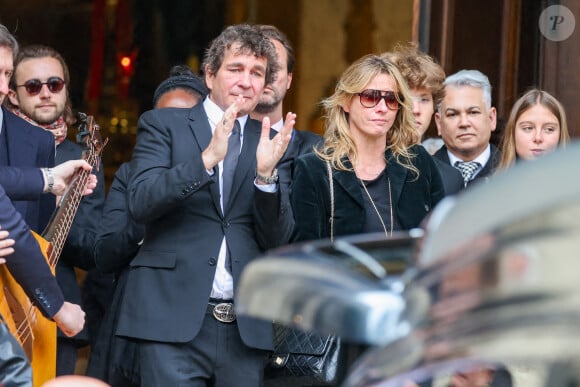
{"points": [[473, 78], [8, 40]]}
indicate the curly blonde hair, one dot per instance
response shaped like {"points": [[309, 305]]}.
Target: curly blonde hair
{"points": [[338, 142], [420, 70]]}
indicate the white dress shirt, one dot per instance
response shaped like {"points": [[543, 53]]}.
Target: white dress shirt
{"points": [[223, 283]]}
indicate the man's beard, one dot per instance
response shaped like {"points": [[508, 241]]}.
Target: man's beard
{"points": [[265, 107], [46, 119]]}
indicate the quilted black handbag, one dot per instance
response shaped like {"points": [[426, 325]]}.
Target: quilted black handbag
{"points": [[304, 358]]}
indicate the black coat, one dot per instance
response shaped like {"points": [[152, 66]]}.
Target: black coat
{"points": [[113, 359], [413, 197], [451, 177]]}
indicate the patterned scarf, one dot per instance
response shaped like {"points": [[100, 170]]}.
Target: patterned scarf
{"points": [[58, 128]]}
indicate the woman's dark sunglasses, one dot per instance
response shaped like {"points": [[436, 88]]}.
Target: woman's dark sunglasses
{"points": [[33, 86], [370, 98]]}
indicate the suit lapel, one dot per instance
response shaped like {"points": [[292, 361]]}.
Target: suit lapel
{"points": [[201, 131], [442, 155], [294, 147]]}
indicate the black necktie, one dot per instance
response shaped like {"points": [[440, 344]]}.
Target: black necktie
{"points": [[230, 162]]}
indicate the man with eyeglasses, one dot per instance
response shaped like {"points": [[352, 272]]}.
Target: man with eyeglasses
{"points": [[39, 95]]}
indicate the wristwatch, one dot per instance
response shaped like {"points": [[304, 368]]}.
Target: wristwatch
{"points": [[268, 179]]}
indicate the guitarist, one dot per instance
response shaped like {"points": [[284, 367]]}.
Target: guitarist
{"points": [[27, 264], [46, 104]]}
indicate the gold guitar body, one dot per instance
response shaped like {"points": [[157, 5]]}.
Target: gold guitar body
{"points": [[34, 332]]}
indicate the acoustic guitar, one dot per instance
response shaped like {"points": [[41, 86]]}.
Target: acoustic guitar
{"points": [[34, 332]]}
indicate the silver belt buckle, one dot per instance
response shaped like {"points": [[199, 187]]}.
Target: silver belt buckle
{"points": [[224, 312]]}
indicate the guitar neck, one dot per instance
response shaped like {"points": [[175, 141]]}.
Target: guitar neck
{"points": [[58, 228]]}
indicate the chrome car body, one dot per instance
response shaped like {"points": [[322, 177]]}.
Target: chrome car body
{"points": [[493, 285]]}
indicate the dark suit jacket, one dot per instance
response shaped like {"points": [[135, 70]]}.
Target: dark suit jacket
{"points": [[30, 146], [413, 197], [302, 142], [118, 241], [451, 177], [78, 249], [171, 192], [119, 235], [27, 264], [22, 183], [488, 168]]}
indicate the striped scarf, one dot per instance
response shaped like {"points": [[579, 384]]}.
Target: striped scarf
{"points": [[58, 128]]}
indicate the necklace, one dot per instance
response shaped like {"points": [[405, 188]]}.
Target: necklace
{"points": [[390, 233]]}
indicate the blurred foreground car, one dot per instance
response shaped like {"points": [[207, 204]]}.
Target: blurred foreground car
{"points": [[488, 296]]}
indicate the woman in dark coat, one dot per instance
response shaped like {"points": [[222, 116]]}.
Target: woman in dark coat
{"points": [[382, 180]]}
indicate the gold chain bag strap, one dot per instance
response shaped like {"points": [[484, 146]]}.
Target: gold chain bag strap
{"points": [[331, 184]]}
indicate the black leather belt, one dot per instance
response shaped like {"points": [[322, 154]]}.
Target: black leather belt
{"points": [[222, 310]]}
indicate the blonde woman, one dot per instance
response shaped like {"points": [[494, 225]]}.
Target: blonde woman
{"points": [[382, 181], [536, 125]]}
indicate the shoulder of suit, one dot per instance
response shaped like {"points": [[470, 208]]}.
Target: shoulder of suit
{"points": [[12, 120], [169, 112], [68, 144], [310, 158]]}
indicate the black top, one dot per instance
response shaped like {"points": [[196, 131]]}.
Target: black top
{"points": [[378, 189]]}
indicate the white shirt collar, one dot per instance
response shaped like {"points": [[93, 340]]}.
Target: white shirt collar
{"points": [[278, 125], [1, 118], [482, 159], [215, 113]]}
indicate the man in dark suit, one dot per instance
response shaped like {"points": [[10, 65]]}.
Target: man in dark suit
{"points": [[302, 142], [199, 233], [465, 120], [39, 95], [119, 238]]}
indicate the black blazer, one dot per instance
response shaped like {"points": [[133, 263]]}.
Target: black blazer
{"points": [[29, 146], [413, 197], [451, 177], [119, 236], [118, 241], [171, 192], [27, 264], [488, 169]]}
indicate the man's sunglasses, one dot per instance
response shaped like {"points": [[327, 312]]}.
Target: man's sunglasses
{"points": [[370, 98], [33, 86]]}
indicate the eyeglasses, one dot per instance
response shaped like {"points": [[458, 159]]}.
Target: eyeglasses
{"points": [[370, 98], [33, 86]]}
